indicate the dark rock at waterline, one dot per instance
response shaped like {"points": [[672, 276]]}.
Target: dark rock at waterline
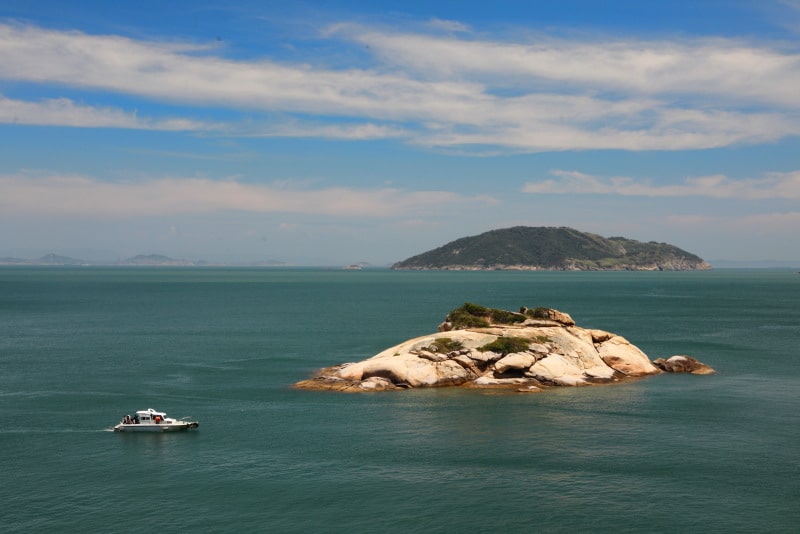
{"points": [[683, 364]]}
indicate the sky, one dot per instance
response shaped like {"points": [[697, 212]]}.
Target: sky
{"points": [[336, 132]]}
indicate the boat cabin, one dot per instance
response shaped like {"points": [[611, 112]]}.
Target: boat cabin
{"points": [[147, 417]]}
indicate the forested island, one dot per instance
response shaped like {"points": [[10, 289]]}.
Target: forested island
{"points": [[553, 249]]}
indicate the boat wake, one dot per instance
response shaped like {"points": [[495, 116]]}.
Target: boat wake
{"points": [[53, 431]]}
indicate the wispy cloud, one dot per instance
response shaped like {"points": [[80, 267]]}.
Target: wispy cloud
{"points": [[79, 196], [789, 16], [770, 186], [65, 112], [794, 4], [435, 90], [447, 25], [769, 224], [340, 131], [721, 67], [169, 73], [765, 224]]}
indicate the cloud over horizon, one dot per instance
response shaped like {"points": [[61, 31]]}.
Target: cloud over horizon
{"points": [[84, 197], [773, 185]]}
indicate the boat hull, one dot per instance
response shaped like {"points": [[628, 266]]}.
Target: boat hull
{"points": [[157, 428]]}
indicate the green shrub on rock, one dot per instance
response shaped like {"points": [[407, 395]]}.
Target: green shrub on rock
{"points": [[468, 316], [476, 316], [506, 317], [446, 344], [507, 345]]}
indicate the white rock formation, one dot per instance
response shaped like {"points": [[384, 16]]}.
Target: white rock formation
{"points": [[554, 352]]}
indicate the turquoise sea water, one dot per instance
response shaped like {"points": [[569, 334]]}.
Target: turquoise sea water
{"points": [[79, 348]]}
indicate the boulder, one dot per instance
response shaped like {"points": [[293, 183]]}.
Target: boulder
{"points": [[538, 348], [376, 383], [492, 382], [432, 356], [560, 317], [468, 363], [559, 370], [516, 361], [575, 346], [549, 314], [599, 336], [484, 357], [413, 371], [619, 354], [683, 364]]}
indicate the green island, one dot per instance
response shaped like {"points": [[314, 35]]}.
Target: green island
{"points": [[553, 249]]}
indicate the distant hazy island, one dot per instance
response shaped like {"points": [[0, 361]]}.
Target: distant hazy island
{"points": [[553, 249], [143, 260]]}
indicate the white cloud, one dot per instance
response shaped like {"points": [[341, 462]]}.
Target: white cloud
{"points": [[434, 91], [342, 131], [649, 130], [720, 67], [770, 186], [65, 112], [166, 72], [78, 196]]}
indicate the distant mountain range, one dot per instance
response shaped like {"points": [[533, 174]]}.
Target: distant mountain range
{"points": [[555, 249], [140, 260]]}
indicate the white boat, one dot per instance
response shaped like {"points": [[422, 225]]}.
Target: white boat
{"points": [[150, 420]]}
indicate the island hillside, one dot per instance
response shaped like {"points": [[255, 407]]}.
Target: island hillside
{"points": [[529, 351], [550, 248]]}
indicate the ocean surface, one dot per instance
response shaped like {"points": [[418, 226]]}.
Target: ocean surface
{"points": [[81, 347]]}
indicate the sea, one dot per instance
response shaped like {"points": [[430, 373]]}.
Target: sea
{"points": [[80, 347]]}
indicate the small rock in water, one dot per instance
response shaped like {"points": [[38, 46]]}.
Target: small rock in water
{"points": [[683, 364]]}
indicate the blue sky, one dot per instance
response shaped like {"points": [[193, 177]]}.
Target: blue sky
{"points": [[336, 132]]}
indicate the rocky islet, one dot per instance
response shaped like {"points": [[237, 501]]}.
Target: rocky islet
{"points": [[529, 351]]}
